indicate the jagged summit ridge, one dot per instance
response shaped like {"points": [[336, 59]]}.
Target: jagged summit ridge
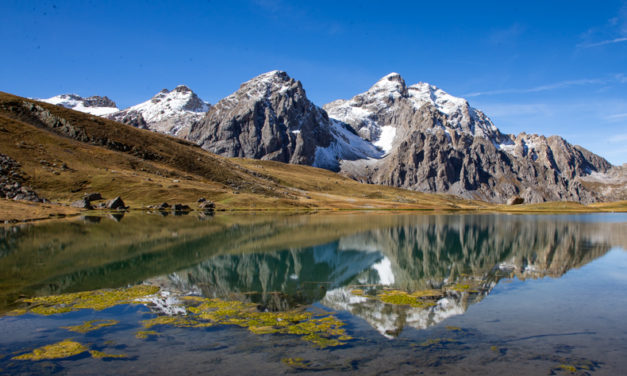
{"points": [[169, 112], [95, 105], [378, 107]]}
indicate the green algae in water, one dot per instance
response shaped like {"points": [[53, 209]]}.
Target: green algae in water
{"points": [[89, 326], [144, 334], [63, 349], [322, 331], [464, 287], [568, 368], [97, 300], [296, 362], [438, 342], [101, 355], [398, 297]]}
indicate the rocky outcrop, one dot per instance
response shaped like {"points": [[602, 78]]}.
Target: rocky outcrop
{"points": [[11, 182], [270, 118], [116, 203], [610, 185], [169, 112]]}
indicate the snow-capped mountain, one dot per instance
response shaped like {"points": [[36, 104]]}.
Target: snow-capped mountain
{"points": [[94, 105], [270, 117], [435, 142], [170, 112], [374, 114]]}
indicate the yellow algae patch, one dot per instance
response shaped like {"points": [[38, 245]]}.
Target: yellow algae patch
{"points": [[63, 349], [463, 287], [89, 326], [296, 362], [178, 321], [438, 342], [324, 332], [143, 334], [96, 300], [100, 355], [428, 293], [568, 368], [398, 297]]}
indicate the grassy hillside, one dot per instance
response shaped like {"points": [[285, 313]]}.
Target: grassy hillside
{"points": [[64, 154]]}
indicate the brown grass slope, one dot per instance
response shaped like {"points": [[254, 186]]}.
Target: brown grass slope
{"points": [[65, 153]]}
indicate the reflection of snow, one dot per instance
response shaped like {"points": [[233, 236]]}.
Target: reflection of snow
{"points": [[384, 268], [164, 302], [388, 319]]}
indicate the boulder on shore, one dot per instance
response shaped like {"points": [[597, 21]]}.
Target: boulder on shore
{"points": [[116, 203], [82, 204], [92, 196]]}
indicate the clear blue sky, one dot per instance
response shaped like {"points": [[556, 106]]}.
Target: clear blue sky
{"points": [[548, 67]]}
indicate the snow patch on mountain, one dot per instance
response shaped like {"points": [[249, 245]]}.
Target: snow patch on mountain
{"points": [[94, 105], [386, 138], [346, 146]]}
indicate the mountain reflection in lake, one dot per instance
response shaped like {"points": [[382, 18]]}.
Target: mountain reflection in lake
{"points": [[453, 294]]}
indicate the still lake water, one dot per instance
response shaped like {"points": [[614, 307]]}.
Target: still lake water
{"points": [[366, 293]]}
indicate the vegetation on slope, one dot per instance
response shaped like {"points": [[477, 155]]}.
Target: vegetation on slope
{"points": [[64, 154]]}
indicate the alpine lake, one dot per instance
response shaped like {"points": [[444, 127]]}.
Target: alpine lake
{"points": [[365, 293]]}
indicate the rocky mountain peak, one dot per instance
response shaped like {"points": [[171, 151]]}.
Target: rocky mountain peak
{"points": [[391, 84], [182, 89], [98, 101], [266, 85]]}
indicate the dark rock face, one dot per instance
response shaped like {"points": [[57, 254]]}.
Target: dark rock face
{"points": [[133, 118], [11, 181], [98, 101], [269, 117]]}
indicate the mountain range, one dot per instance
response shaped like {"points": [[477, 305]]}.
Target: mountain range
{"points": [[416, 137]]}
